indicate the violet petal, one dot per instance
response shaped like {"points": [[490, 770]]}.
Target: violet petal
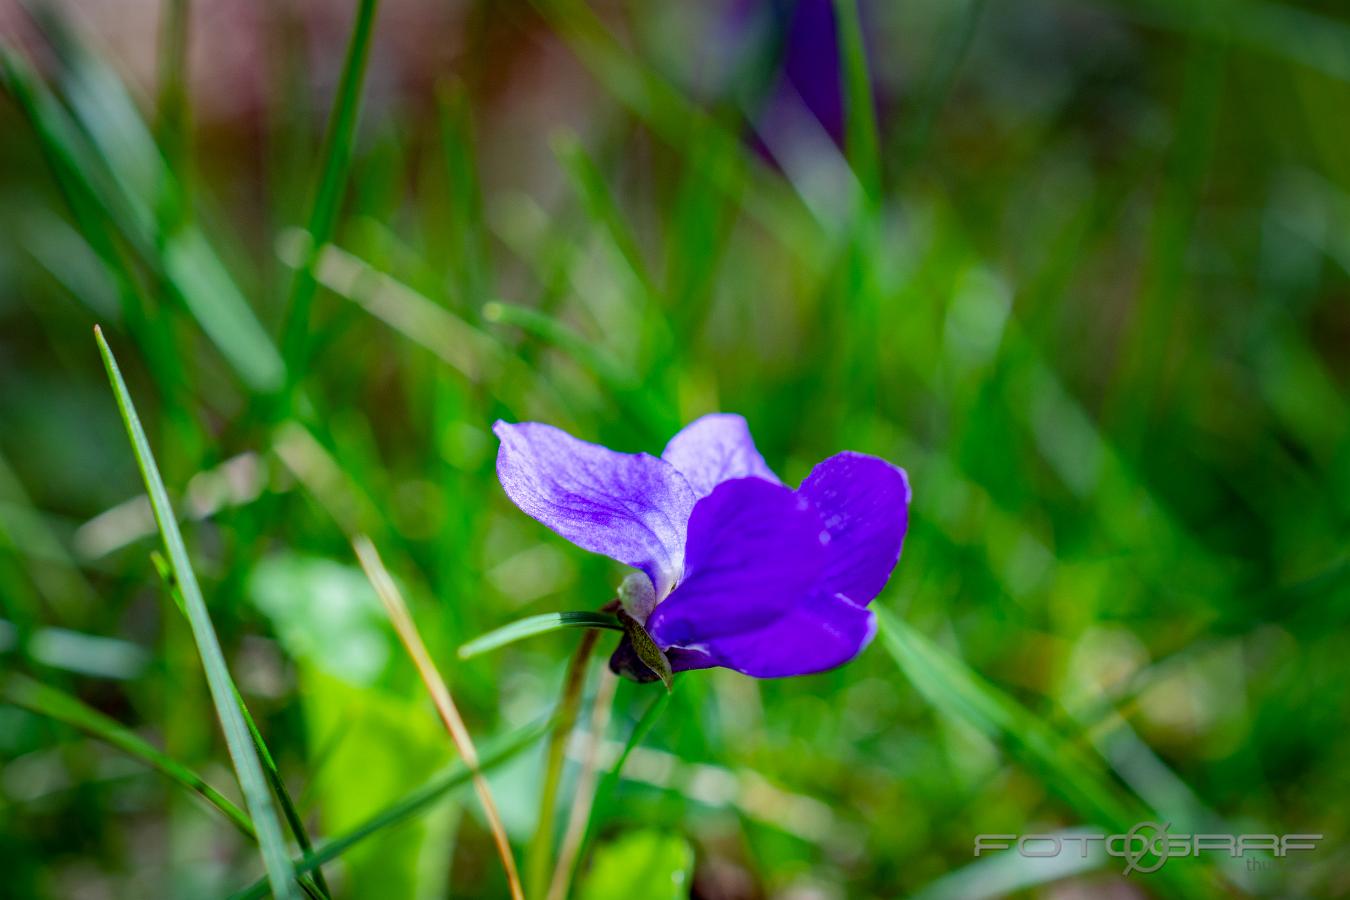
{"points": [[817, 635], [864, 504], [755, 551], [631, 507], [716, 448]]}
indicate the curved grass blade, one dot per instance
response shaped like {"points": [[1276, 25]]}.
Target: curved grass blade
{"points": [[337, 156], [242, 752], [535, 625], [59, 706], [414, 315], [458, 775], [600, 205], [615, 378], [1078, 777], [288, 808]]}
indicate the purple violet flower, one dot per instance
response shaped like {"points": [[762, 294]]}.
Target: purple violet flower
{"points": [[736, 569]]}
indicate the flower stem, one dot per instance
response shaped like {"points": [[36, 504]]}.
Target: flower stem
{"points": [[537, 858], [580, 816], [611, 781]]}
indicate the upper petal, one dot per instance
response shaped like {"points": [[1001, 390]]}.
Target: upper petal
{"points": [[630, 507], [755, 551], [864, 504], [714, 449], [820, 634]]}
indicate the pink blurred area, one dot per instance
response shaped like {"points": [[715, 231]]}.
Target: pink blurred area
{"points": [[242, 52], [235, 44], [253, 63]]}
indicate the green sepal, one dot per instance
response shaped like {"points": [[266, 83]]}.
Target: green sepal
{"points": [[651, 655]]}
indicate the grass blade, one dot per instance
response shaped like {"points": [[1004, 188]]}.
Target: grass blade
{"points": [[293, 818], [337, 156], [504, 749], [762, 193], [440, 695], [143, 198], [414, 315], [59, 706], [468, 260], [71, 163], [615, 378], [242, 752], [860, 135], [288, 808], [601, 205], [535, 625], [1063, 766], [947, 684]]}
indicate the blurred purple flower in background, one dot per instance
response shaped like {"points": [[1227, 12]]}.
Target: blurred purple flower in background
{"points": [[810, 63], [780, 59], [736, 569]]}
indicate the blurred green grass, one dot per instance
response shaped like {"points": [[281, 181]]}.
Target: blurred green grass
{"points": [[1082, 270]]}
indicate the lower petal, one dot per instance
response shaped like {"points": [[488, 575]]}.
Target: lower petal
{"points": [[822, 634], [754, 552]]}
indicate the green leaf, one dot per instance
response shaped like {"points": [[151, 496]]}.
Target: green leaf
{"points": [[373, 746], [243, 754], [648, 864], [651, 655], [325, 614], [536, 625]]}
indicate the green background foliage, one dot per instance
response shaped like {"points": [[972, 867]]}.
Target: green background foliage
{"points": [[1080, 268]]}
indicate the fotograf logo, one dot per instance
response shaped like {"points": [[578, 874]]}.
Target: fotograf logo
{"points": [[1147, 846]]}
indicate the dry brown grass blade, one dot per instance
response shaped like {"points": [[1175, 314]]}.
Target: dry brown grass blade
{"points": [[580, 815], [537, 860], [440, 695]]}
